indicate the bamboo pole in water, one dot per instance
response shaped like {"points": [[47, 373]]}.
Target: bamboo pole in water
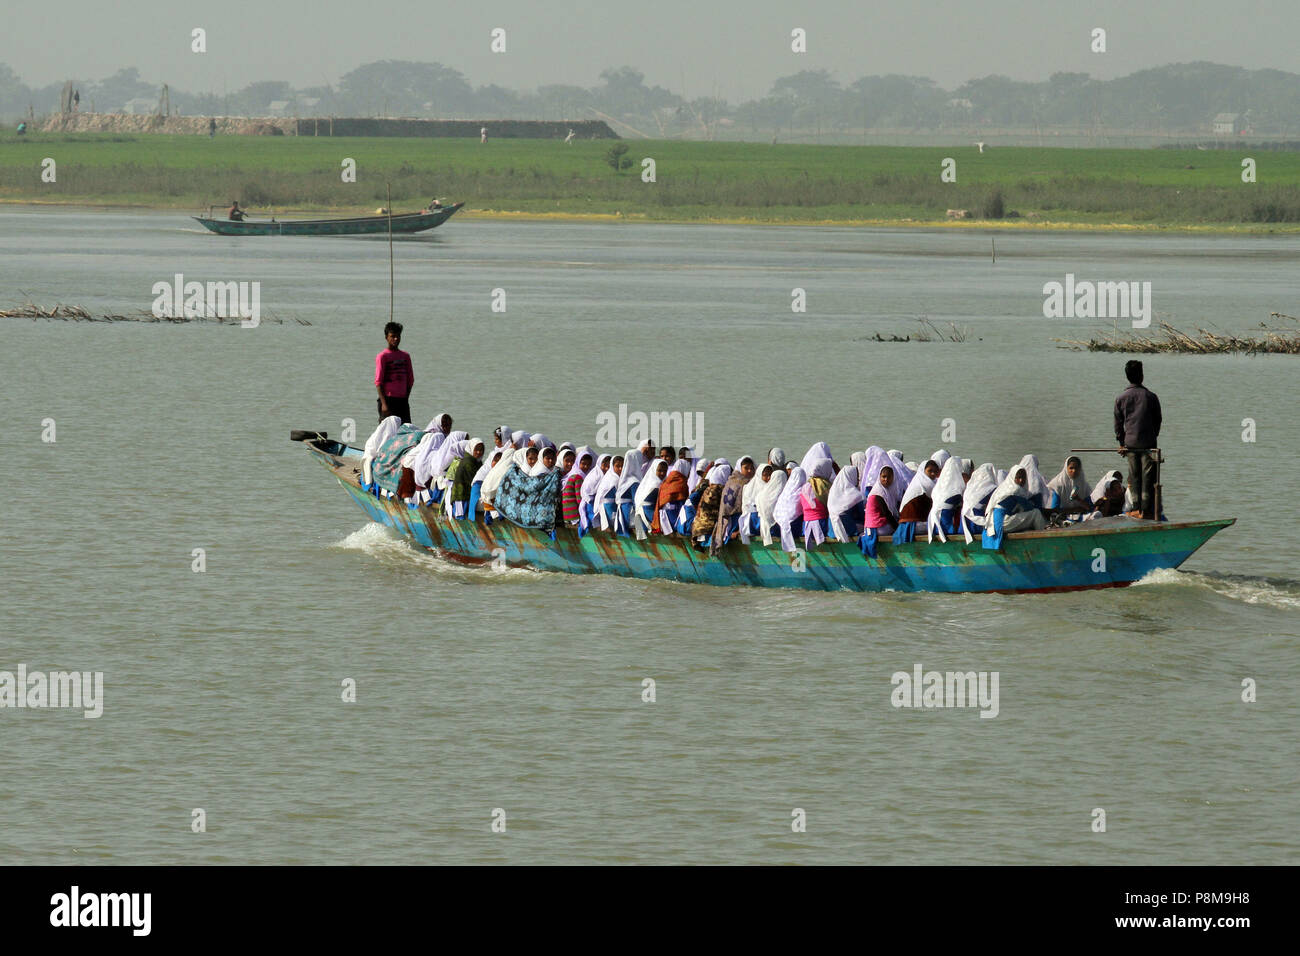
{"points": [[389, 190]]}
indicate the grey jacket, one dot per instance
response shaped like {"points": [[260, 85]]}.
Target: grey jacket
{"points": [[1137, 418]]}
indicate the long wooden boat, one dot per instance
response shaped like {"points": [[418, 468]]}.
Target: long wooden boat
{"points": [[1035, 561], [359, 226]]}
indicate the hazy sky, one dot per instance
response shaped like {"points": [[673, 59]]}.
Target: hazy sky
{"points": [[734, 48]]}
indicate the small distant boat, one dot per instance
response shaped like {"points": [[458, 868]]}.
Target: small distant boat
{"points": [[358, 226], [1105, 553]]}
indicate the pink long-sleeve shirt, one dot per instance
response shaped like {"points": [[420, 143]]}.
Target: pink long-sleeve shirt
{"points": [[393, 373], [878, 515]]}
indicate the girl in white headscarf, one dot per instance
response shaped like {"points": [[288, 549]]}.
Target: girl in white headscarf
{"points": [[1014, 497], [446, 453], [949, 488], [883, 501], [706, 514], [1108, 497], [845, 505], [545, 462], [1072, 489], [634, 469], [672, 496], [486, 468], [646, 498], [384, 431], [607, 493], [749, 498], [590, 484], [878, 458], [787, 512], [917, 498], [487, 493], [769, 493], [1040, 496], [699, 468], [974, 501]]}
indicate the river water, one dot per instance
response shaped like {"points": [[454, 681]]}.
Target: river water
{"points": [[479, 690]]}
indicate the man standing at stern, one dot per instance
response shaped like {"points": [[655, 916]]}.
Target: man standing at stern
{"points": [[1137, 429]]}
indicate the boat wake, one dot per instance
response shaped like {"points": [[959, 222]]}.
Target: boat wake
{"points": [[1272, 592], [385, 545]]}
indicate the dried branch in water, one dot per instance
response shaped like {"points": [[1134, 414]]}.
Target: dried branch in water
{"points": [[75, 313], [1205, 342]]}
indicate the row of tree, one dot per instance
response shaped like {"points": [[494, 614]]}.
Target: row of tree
{"points": [[1177, 97]]}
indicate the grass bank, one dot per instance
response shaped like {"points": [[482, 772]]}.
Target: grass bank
{"points": [[695, 182]]}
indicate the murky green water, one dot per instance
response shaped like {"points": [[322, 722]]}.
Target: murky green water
{"points": [[479, 690]]}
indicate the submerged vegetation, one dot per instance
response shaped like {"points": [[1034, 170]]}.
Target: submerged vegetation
{"points": [[75, 313], [1274, 341]]}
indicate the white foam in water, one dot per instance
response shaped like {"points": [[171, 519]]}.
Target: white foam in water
{"points": [[378, 541], [1244, 589]]}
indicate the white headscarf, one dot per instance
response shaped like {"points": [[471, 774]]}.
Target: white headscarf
{"points": [[892, 495], [921, 484], [444, 455], [385, 430], [1007, 488], [821, 468], [693, 479], [818, 450], [1099, 492], [576, 469], [519, 438], [878, 458], [843, 496], [749, 496], [787, 506], [1068, 487], [607, 490], [540, 467], [857, 460], [777, 457], [895, 453], [1035, 483], [647, 493], [418, 458], [436, 424], [949, 484], [719, 473], [493, 481], [634, 467], [769, 492], [593, 479], [983, 481], [486, 468], [940, 458]]}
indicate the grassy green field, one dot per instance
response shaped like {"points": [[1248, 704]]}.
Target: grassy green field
{"points": [[1152, 188]]}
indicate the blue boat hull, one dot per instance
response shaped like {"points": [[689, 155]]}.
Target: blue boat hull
{"points": [[1061, 560]]}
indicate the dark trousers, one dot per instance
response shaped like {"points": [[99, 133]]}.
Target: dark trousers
{"points": [[1142, 480], [396, 406]]}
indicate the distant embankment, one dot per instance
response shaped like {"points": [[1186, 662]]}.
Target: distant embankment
{"points": [[324, 126]]}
